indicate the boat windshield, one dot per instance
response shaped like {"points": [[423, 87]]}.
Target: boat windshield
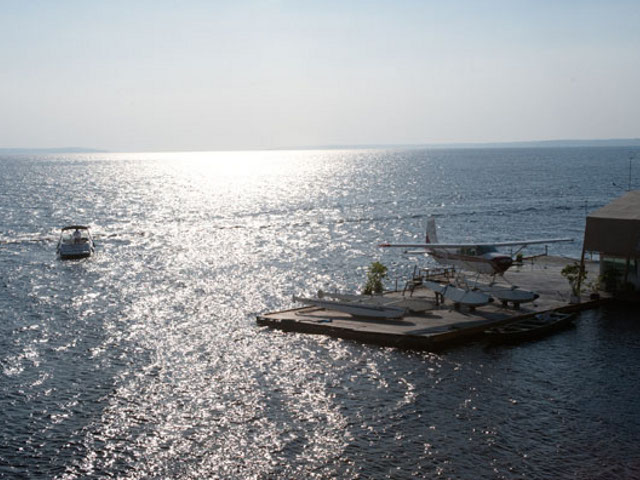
{"points": [[74, 236]]}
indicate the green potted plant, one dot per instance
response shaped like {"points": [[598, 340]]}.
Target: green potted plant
{"points": [[375, 274], [575, 274]]}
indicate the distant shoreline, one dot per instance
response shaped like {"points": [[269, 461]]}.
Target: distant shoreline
{"points": [[20, 151], [616, 142]]}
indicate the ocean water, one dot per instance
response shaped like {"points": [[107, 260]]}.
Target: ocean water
{"points": [[145, 361]]}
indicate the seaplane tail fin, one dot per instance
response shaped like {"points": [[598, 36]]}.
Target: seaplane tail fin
{"points": [[432, 236]]}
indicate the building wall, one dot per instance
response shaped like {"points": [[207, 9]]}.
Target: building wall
{"points": [[617, 266]]}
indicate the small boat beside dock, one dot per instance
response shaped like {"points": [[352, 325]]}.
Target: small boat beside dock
{"points": [[530, 328]]}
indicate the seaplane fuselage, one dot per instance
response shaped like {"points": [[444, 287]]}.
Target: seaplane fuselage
{"points": [[481, 259]]}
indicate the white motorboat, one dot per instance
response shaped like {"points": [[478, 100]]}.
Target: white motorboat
{"points": [[75, 242]]}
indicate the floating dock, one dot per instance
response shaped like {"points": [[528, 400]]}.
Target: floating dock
{"points": [[446, 324]]}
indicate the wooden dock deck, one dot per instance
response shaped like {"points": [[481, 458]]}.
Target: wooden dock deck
{"points": [[444, 326]]}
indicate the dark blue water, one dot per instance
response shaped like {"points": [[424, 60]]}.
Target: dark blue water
{"points": [[145, 361]]}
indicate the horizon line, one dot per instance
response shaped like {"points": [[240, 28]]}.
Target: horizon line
{"points": [[619, 142]]}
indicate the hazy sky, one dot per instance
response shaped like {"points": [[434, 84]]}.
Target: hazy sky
{"points": [[207, 75]]}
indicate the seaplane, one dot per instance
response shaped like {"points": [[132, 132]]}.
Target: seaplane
{"points": [[480, 258]]}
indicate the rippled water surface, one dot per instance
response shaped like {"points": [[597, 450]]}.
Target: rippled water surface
{"points": [[145, 361]]}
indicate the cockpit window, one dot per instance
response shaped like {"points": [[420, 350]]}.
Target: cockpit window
{"points": [[486, 249]]}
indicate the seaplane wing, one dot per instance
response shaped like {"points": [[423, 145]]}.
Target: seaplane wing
{"points": [[515, 243]]}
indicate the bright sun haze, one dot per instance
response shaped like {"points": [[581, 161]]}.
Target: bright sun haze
{"points": [[207, 75]]}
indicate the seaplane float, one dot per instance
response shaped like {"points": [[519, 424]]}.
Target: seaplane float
{"points": [[369, 306]]}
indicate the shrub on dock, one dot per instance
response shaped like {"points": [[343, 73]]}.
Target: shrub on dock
{"points": [[575, 274], [376, 273]]}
